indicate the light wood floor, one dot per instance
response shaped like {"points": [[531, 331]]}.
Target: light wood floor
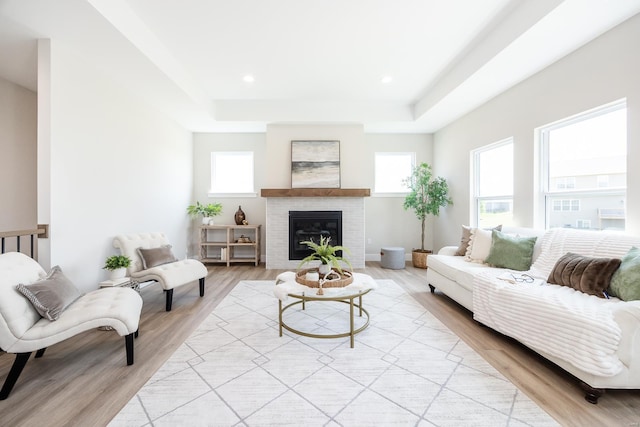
{"points": [[84, 381]]}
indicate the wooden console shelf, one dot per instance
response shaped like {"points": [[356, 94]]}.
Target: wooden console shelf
{"points": [[216, 239]]}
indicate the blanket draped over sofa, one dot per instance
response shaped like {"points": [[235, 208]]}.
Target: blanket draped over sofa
{"points": [[578, 328], [597, 340]]}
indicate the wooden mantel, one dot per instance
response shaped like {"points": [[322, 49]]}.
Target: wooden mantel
{"points": [[315, 192]]}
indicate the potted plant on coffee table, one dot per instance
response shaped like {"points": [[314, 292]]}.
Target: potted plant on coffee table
{"points": [[207, 212], [427, 195], [117, 265], [326, 254]]}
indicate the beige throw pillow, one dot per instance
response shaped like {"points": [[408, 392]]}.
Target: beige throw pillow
{"points": [[479, 245], [51, 295], [156, 256], [466, 236]]}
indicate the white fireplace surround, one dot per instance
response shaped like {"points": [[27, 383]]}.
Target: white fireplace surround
{"points": [[277, 229]]}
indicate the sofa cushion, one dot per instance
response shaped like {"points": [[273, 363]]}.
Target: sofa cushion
{"points": [[598, 244], [625, 283], [479, 245], [51, 295], [586, 274], [457, 269], [154, 257], [466, 237], [510, 252]]}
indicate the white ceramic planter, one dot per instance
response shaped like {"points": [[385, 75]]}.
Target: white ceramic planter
{"points": [[118, 273]]}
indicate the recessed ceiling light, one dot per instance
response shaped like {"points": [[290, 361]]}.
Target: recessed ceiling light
{"points": [[248, 78], [386, 79]]}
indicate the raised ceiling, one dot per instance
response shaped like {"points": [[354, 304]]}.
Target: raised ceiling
{"points": [[311, 61]]}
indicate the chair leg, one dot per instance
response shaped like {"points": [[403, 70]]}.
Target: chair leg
{"points": [[40, 352], [169, 293], [128, 343], [135, 334], [202, 287], [14, 373]]}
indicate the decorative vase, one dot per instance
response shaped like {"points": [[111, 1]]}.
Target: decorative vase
{"points": [[206, 220], [118, 273], [324, 269], [239, 216]]}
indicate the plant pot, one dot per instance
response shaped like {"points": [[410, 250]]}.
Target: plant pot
{"points": [[419, 258], [207, 220], [118, 273], [324, 269]]}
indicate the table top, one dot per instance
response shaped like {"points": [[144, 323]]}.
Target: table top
{"points": [[286, 285]]}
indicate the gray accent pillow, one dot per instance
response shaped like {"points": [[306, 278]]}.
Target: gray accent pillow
{"points": [[510, 252], [589, 275], [156, 256], [51, 295], [625, 283], [466, 237]]}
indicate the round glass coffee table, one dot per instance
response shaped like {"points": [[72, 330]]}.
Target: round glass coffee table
{"points": [[352, 296]]}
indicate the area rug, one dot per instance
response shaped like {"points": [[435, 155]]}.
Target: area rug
{"points": [[406, 369]]}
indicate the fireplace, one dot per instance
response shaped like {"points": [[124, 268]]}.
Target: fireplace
{"points": [[311, 225]]}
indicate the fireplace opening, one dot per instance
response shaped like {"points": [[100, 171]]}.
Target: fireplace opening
{"points": [[311, 225]]}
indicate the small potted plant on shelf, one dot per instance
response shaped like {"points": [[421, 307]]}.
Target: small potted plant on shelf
{"points": [[427, 195], [206, 211], [117, 265], [326, 254]]}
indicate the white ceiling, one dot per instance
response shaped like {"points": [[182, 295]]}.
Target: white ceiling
{"points": [[312, 61]]}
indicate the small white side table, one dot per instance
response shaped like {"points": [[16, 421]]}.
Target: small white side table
{"points": [[124, 282]]}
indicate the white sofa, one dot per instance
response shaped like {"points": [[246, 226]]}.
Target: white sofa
{"points": [[615, 323]]}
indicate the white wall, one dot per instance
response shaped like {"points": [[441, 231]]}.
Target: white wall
{"points": [[386, 221], [18, 118], [253, 207], [116, 166], [388, 224], [603, 71]]}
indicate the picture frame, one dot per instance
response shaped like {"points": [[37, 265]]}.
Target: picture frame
{"points": [[315, 164]]}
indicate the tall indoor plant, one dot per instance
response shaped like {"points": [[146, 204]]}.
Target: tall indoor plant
{"points": [[427, 195]]}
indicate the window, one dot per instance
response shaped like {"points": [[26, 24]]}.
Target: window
{"points": [[565, 182], [391, 169], [566, 205], [493, 184], [583, 223], [584, 171], [603, 181], [231, 172]]}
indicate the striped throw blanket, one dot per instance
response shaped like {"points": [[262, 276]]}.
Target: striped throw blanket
{"points": [[556, 320]]}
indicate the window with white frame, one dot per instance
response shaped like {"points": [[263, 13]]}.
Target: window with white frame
{"points": [[390, 170], [583, 223], [584, 171], [566, 205], [232, 173], [565, 182], [493, 184], [602, 181]]}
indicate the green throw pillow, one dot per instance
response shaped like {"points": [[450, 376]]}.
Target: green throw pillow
{"points": [[510, 252], [625, 283]]}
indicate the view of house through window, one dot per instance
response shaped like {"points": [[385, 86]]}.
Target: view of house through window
{"points": [[390, 170], [231, 172], [493, 184], [584, 161]]}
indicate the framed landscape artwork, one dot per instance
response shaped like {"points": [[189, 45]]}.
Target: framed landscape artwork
{"points": [[315, 164]]}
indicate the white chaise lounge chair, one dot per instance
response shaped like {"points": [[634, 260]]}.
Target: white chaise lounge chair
{"points": [[152, 260], [25, 324]]}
